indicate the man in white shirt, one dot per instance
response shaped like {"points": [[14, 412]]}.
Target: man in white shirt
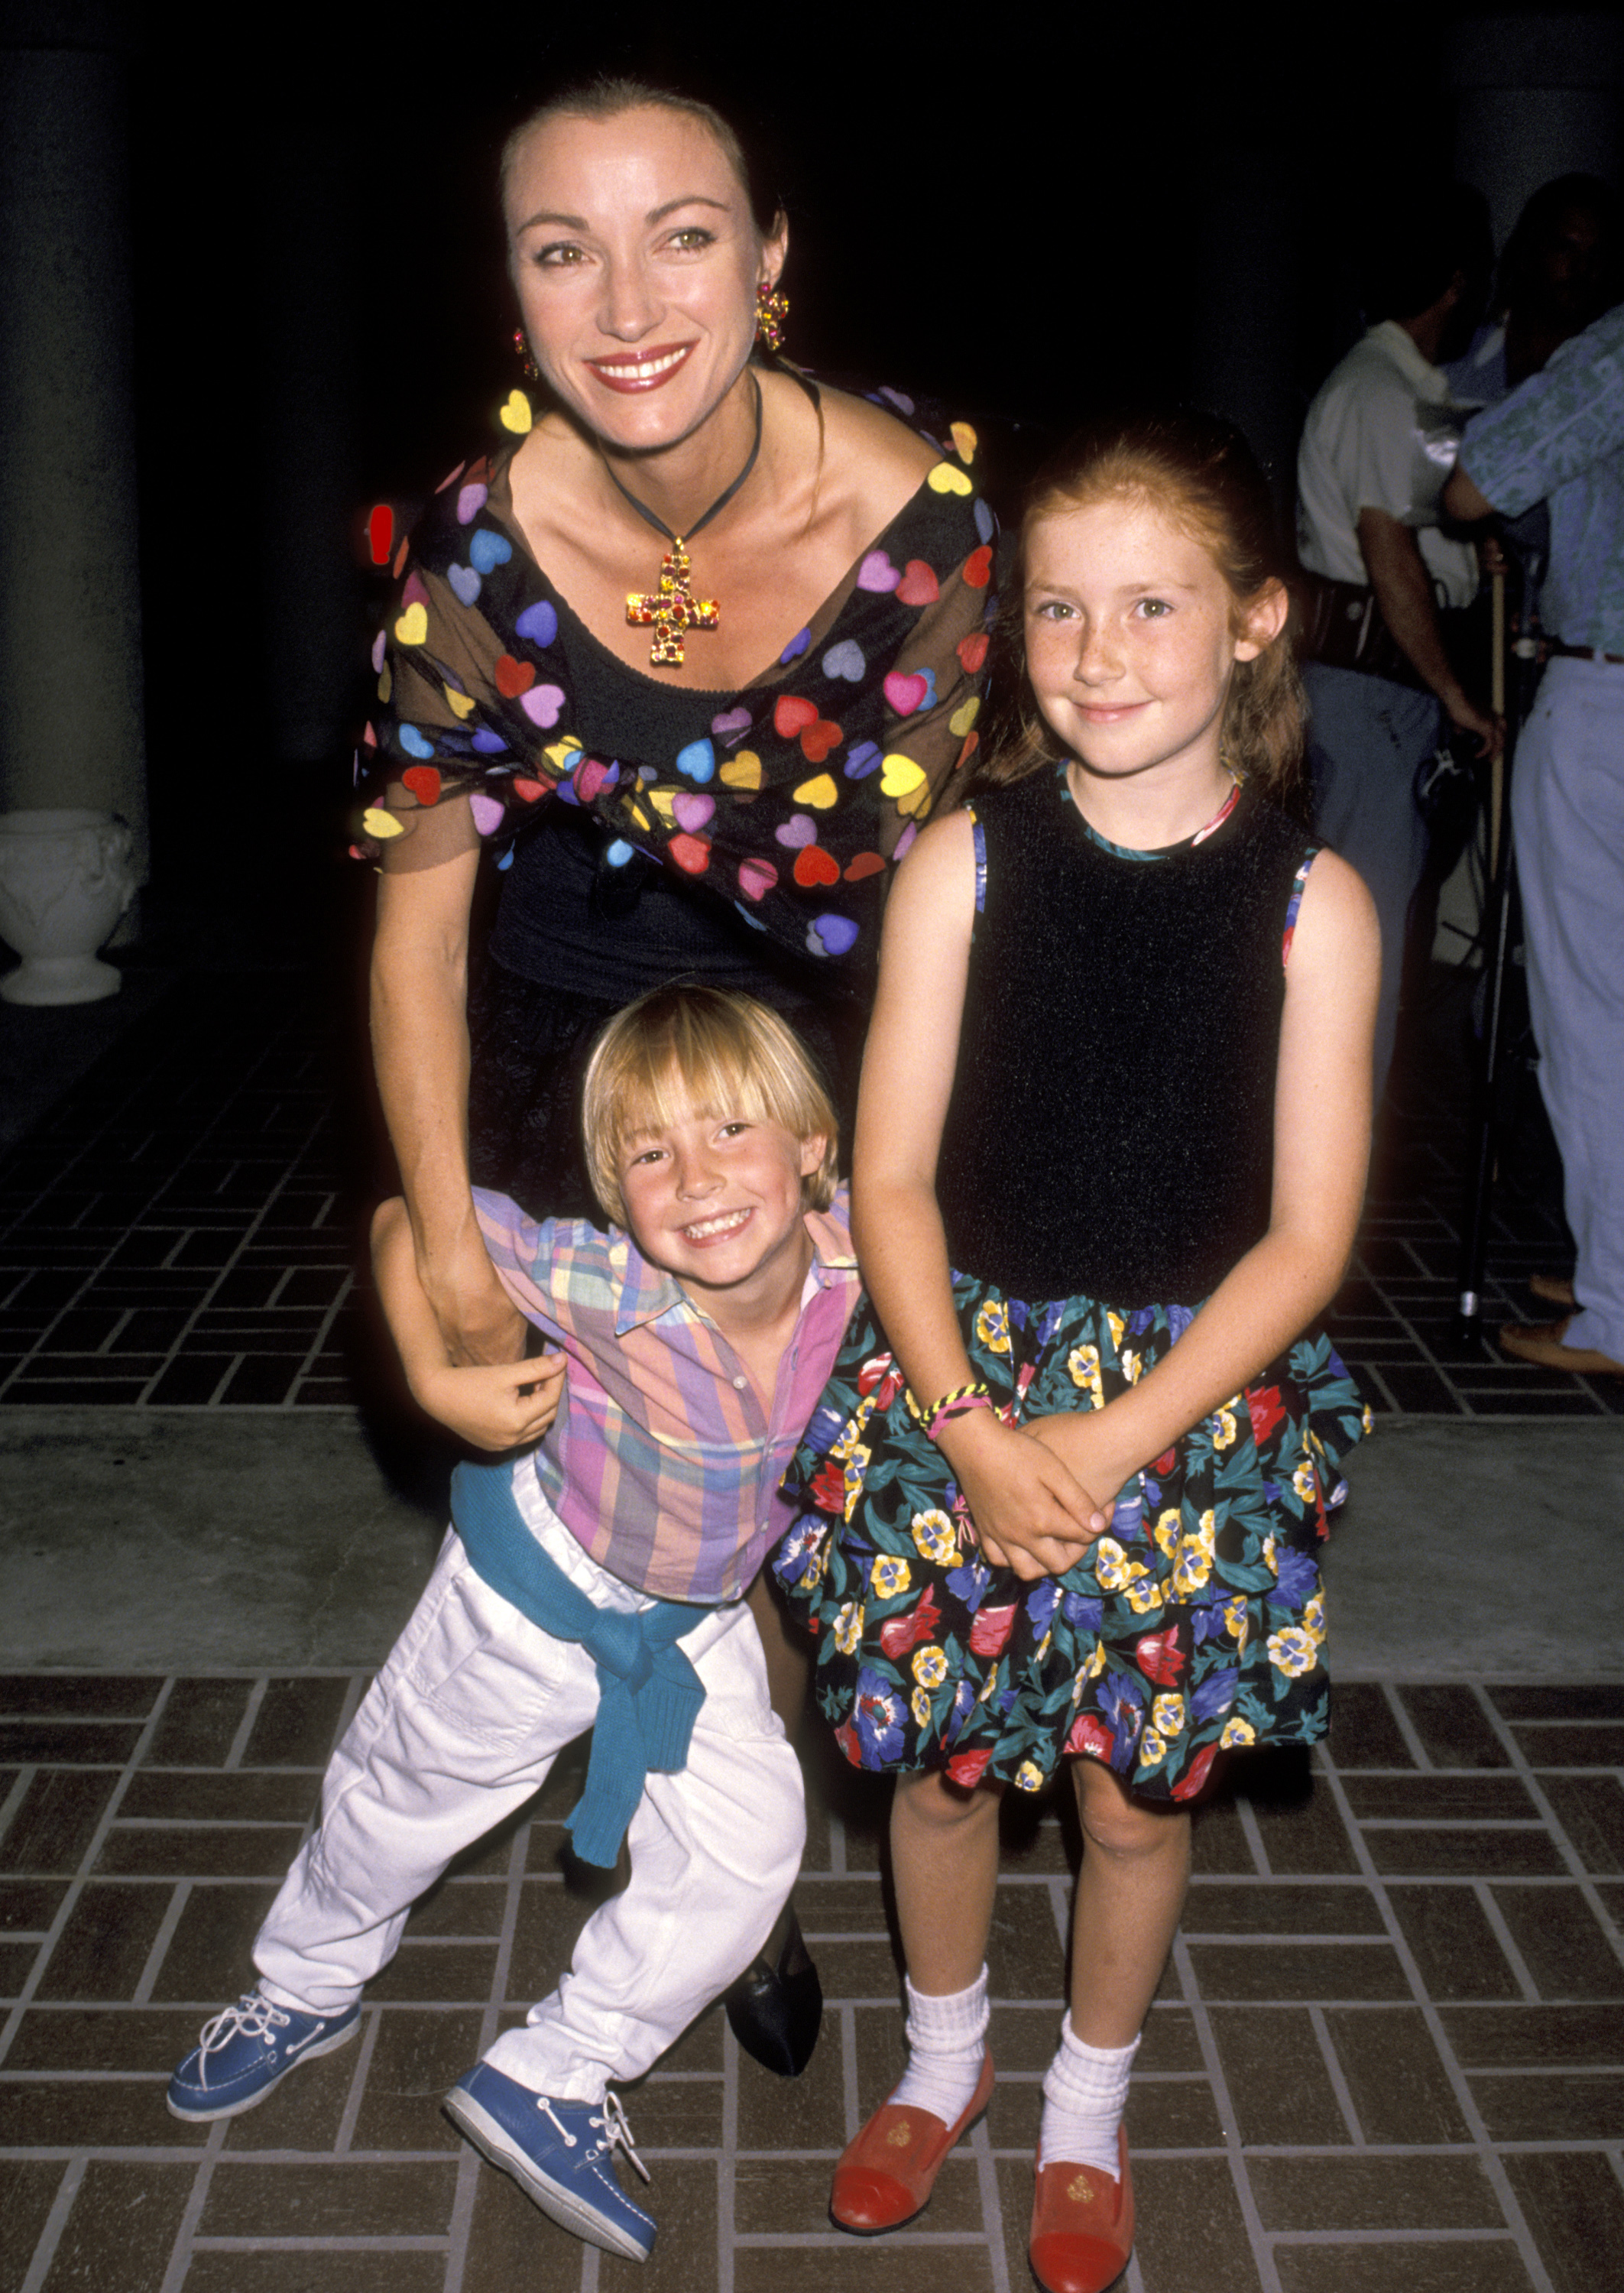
{"points": [[1378, 445]]}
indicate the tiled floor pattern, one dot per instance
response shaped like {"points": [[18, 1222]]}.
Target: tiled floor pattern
{"points": [[178, 1233], [1389, 2051]]}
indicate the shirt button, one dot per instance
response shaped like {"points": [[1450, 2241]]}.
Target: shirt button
{"points": [[740, 1383]]}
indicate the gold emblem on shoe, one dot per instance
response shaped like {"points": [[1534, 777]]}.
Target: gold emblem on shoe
{"points": [[901, 2136], [1081, 2191]]}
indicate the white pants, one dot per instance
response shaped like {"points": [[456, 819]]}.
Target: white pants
{"points": [[458, 1730], [1567, 801]]}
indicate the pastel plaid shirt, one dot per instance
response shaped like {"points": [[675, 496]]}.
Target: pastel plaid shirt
{"points": [[1559, 437], [661, 1459]]}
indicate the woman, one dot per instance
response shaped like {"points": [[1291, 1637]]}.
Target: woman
{"points": [[716, 789]]}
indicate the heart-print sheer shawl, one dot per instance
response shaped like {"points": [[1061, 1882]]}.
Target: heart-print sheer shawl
{"points": [[789, 799]]}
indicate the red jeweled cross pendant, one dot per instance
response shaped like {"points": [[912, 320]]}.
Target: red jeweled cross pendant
{"points": [[671, 610]]}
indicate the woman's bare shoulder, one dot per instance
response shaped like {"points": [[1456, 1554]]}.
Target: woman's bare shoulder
{"points": [[875, 438]]}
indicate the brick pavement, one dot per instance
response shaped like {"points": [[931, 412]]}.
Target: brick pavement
{"points": [[1389, 2050], [180, 1232]]}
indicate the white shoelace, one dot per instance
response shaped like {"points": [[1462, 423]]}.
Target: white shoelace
{"points": [[252, 2014], [617, 2133]]}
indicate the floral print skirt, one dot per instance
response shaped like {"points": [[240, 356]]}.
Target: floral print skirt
{"points": [[1196, 1622]]}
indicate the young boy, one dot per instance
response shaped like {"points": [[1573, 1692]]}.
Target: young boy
{"points": [[596, 1581]]}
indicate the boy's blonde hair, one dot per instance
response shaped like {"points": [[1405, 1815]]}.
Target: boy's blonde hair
{"points": [[699, 1050]]}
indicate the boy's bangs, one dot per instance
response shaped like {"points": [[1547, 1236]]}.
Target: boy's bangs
{"points": [[657, 1092], [695, 1051]]}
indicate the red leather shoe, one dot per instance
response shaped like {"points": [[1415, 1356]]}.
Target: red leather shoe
{"points": [[1082, 2225], [886, 2174]]}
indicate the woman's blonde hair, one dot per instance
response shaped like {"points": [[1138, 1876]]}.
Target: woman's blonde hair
{"points": [[683, 1050], [1198, 470]]}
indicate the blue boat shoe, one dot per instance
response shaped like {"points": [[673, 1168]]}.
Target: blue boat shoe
{"points": [[247, 2050], [560, 2154]]}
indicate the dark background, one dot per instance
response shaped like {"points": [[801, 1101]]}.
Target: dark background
{"points": [[1009, 210]]}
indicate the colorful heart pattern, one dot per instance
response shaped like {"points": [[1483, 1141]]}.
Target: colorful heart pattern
{"points": [[692, 810], [792, 713], [537, 625], [784, 748], [876, 572], [918, 585], [542, 703], [814, 867]]}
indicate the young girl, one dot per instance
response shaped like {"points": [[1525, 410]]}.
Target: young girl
{"points": [[1065, 1486]]}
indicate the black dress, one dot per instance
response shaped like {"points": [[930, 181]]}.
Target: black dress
{"points": [[1105, 1162]]}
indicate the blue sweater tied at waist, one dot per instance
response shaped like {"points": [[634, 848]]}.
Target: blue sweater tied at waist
{"points": [[651, 1693]]}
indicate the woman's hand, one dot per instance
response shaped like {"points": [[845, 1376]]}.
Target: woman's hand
{"points": [[478, 1320], [1030, 1513], [507, 1405]]}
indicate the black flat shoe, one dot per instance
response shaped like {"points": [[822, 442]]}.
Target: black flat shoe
{"points": [[774, 2009]]}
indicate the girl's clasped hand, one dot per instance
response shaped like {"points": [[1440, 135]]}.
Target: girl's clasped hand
{"points": [[1065, 1490]]}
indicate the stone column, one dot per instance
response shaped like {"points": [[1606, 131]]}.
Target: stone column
{"points": [[302, 327], [1536, 97], [71, 733]]}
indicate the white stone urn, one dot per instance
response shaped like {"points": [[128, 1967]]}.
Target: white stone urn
{"points": [[65, 879]]}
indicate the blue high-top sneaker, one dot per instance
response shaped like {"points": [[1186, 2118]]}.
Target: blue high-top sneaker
{"points": [[560, 2154]]}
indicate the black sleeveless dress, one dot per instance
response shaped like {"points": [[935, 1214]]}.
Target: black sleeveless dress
{"points": [[1106, 1161]]}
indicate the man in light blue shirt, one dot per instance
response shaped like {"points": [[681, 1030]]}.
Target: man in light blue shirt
{"points": [[1559, 438]]}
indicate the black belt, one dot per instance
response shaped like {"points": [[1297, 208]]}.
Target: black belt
{"points": [[1560, 651]]}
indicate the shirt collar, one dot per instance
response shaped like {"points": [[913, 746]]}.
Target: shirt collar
{"points": [[645, 1293], [1400, 346]]}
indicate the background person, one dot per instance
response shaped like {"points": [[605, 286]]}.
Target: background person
{"points": [[1559, 438], [1558, 272], [1379, 679]]}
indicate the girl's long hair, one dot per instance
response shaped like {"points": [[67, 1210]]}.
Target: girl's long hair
{"points": [[1198, 470]]}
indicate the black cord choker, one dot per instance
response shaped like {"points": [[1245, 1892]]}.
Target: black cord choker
{"points": [[672, 610]]}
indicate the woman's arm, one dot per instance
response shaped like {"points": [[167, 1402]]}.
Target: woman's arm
{"points": [[502, 1405], [420, 1046], [1321, 1152], [1035, 1523]]}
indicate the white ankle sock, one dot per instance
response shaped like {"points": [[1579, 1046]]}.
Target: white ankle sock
{"points": [[1084, 2091], [947, 2037]]}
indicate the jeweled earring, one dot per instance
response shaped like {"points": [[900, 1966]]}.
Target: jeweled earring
{"points": [[522, 351], [771, 310]]}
